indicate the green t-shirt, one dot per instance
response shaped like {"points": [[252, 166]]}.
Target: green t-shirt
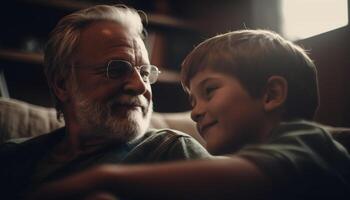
{"points": [[303, 161], [24, 165]]}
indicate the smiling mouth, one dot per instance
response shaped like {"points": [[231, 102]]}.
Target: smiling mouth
{"points": [[203, 129]]}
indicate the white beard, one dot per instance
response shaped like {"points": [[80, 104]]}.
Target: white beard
{"points": [[123, 125]]}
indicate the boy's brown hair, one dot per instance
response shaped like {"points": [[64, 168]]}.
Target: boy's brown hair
{"points": [[252, 56]]}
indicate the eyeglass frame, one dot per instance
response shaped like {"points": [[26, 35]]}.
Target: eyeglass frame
{"points": [[138, 68]]}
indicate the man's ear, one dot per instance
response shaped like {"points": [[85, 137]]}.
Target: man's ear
{"points": [[59, 87], [276, 92]]}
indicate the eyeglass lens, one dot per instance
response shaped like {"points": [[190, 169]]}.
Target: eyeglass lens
{"points": [[120, 68]]}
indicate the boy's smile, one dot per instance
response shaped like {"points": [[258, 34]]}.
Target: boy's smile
{"points": [[227, 116]]}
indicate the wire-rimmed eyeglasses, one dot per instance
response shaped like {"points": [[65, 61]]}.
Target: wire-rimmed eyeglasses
{"points": [[122, 69]]}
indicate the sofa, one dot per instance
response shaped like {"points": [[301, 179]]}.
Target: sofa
{"points": [[21, 119]]}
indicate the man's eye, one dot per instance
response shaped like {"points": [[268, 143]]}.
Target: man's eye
{"points": [[144, 74]]}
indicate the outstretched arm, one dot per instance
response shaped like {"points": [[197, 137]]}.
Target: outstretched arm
{"points": [[229, 177]]}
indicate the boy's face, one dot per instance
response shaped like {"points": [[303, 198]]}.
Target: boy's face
{"points": [[227, 116]]}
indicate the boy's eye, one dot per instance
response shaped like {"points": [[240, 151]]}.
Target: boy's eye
{"points": [[209, 90]]}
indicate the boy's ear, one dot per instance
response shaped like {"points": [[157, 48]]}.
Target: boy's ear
{"points": [[276, 92], [60, 89]]}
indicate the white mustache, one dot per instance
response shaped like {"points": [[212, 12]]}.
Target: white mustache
{"points": [[130, 101]]}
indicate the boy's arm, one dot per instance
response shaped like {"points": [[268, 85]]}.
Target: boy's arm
{"points": [[227, 178]]}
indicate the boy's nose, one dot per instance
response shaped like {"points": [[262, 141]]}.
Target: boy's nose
{"points": [[197, 112]]}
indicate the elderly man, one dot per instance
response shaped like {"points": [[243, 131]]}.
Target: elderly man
{"points": [[98, 70]]}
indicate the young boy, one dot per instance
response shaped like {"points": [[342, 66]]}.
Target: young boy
{"points": [[252, 92]]}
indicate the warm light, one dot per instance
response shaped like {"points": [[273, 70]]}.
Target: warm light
{"points": [[305, 18]]}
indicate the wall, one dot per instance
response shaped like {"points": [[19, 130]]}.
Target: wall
{"points": [[330, 51]]}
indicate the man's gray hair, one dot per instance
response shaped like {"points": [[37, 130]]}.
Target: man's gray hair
{"points": [[65, 37]]}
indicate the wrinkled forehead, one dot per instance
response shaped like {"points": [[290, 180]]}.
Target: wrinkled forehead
{"points": [[102, 38], [109, 33], [123, 39]]}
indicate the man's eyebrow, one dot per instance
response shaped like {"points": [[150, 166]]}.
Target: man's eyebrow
{"points": [[117, 42]]}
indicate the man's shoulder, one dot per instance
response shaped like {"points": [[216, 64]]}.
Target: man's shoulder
{"points": [[165, 145], [20, 156], [31, 143], [160, 136], [166, 133]]}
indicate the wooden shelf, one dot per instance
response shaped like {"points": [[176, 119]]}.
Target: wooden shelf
{"points": [[169, 76], [63, 4], [37, 58], [153, 19], [164, 20], [16, 55]]}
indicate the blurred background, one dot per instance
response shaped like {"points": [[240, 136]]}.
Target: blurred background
{"points": [[174, 28]]}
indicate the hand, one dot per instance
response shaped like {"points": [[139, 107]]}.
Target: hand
{"points": [[84, 185]]}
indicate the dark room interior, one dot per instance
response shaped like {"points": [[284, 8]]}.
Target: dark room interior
{"points": [[239, 110], [174, 28]]}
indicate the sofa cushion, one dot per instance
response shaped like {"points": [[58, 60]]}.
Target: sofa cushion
{"points": [[20, 119]]}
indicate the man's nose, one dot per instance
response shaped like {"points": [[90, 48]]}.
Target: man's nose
{"points": [[135, 85]]}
